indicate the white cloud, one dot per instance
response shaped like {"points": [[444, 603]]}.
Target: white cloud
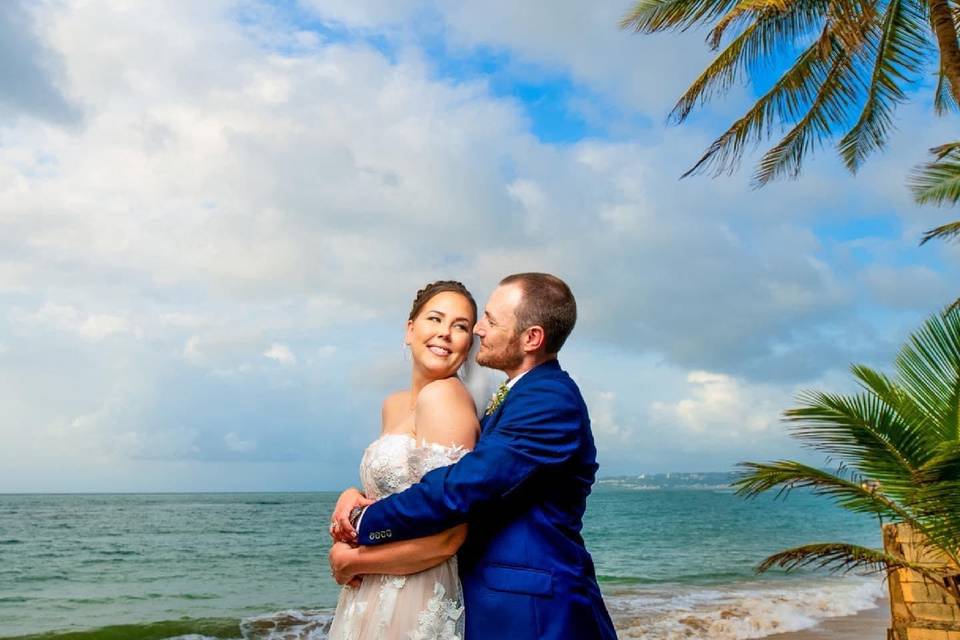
{"points": [[281, 353], [606, 426], [720, 406], [62, 317]]}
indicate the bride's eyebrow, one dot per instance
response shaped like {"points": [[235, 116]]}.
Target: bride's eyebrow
{"points": [[441, 313]]}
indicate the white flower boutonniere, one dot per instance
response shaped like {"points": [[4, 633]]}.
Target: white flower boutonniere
{"points": [[497, 398]]}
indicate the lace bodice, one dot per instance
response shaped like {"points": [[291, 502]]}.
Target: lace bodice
{"points": [[393, 462]]}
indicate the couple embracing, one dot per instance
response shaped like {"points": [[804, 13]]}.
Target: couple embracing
{"points": [[466, 528]]}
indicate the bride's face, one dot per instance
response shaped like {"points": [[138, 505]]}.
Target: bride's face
{"points": [[441, 335]]}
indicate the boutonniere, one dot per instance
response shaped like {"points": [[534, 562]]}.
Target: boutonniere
{"points": [[497, 398]]}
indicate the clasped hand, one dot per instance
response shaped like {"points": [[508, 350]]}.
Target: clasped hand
{"points": [[340, 554], [345, 536], [341, 530]]}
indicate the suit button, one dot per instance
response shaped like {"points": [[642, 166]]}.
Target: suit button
{"points": [[389, 533]]}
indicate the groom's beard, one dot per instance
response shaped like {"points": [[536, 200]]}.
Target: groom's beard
{"points": [[509, 357]]}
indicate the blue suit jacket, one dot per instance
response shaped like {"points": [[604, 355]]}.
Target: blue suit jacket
{"points": [[523, 490]]}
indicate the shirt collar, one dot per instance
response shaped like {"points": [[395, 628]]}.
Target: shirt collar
{"points": [[513, 381]]}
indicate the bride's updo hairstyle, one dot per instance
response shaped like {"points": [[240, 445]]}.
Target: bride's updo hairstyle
{"points": [[441, 286]]}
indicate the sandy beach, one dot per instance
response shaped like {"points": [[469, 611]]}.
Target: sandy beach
{"points": [[867, 625]]}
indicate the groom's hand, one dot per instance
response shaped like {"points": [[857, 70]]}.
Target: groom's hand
{"points": [[341, 529], [339, 558]]}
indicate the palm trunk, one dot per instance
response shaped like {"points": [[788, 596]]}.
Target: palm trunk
{"points": [[941, 19]]}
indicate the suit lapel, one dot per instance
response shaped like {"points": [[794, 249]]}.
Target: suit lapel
{"points": [[541, 370]]}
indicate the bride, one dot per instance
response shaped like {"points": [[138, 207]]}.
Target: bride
{"points": [[410, 590]]}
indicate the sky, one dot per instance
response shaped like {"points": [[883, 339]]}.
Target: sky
{"points": [[214, 218]]}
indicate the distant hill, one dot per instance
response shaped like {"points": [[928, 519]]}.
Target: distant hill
{"points": [[654, 481]]}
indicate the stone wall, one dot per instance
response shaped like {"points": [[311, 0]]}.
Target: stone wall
{"points": [[920, 609]]}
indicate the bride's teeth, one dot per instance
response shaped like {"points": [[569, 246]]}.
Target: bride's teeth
{"points": [[439, 351]]}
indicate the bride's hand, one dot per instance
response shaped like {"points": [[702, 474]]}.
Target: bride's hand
{"points": [[340, 554], [340, 528]]}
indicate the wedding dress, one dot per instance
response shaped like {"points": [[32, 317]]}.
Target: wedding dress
{"points": [[421, 606]]}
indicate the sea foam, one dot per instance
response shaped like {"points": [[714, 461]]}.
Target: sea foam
{"points": [[740, 612]]}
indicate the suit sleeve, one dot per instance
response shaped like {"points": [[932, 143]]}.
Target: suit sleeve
{"points": [[540, 428]]}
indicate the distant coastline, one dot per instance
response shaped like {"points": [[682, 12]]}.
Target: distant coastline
{"points": [[711, 480]]}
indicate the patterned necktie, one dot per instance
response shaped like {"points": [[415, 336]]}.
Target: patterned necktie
{"points": [[497, 398]]}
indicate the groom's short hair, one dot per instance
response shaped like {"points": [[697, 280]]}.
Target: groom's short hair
{"points": [[547, 302]]}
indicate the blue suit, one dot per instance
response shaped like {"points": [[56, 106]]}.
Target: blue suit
{"points": [[523, 490]]}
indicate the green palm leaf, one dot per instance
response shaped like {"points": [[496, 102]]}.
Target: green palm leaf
{"points": [[648, 16], [840, 557], [761, 40], [865, 432], [851, 492], [938, 182], [949, 231], [901, 49], [928, 368], [943, 100], [839, 90], [787, 100], [944, 466]]}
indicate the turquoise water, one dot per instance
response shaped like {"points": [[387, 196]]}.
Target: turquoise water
{"points": [[673, 564]]}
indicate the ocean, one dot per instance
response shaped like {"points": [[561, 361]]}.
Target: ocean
{"points": [[672, 563]]}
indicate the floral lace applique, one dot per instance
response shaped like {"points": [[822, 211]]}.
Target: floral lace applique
{"points": [[387, 601], [439, 620], [429, 456]]}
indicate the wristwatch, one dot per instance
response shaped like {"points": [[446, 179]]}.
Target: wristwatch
{"points": [[354, 516]]}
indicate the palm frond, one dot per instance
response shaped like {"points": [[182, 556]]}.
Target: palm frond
{"points": [[789, 97], [840, 557], [762, 39], [851, 493], [938, 181], [949, 231], [741, 11], [928, 369], [943, 100], [944, 466], [898, 400], [864, 431], [838, 91], [937, 505], [649, 16], [900, 51]]}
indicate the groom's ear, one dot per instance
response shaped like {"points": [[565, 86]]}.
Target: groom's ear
{"points": [[533, 339]]}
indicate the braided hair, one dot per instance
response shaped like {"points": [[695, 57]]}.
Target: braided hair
{"points": [[440, 286]]}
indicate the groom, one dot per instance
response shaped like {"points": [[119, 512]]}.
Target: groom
{"points": [[523, 489]]}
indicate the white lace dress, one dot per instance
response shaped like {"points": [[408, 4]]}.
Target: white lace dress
{"points": [[421, 606]]}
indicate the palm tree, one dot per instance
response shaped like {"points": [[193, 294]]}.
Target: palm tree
{"points": [[844, 66], [898, 443]]}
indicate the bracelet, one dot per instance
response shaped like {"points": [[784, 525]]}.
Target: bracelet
{"points": [[354, 516]]}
